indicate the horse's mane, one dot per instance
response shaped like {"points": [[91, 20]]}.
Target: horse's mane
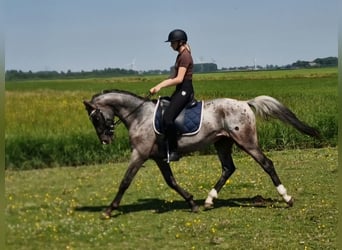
{"points": [[117, 91]]}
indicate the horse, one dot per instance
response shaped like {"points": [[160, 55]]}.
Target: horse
{"points": [[225, 122]]}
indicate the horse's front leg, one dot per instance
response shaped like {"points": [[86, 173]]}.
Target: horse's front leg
{"points": [[133, 167], [171, 181]]}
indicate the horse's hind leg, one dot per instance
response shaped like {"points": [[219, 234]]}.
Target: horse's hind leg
{"points": [[268, 166], [171, 181], [224, 150]]}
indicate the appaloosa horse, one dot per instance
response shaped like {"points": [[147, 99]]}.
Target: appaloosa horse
{"points": [[225, 122]]}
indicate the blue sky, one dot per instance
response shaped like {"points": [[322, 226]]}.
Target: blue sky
{"points": [[95, 34]]}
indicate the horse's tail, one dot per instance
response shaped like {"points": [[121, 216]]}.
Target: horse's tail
{"points": [[266, 107]]}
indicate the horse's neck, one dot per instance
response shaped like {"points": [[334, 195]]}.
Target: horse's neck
{"points": [[121, 102], [124, 105]]}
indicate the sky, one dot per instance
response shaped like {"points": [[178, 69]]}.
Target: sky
{"points": [[96, 34]]}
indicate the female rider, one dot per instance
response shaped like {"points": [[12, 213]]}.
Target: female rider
{"points": [[184, 92]]}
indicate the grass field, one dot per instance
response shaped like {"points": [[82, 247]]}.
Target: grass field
{"points": [[60, 208], [47, 126]]}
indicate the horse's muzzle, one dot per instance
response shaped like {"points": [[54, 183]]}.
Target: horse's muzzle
{"points": [[105, 140]]}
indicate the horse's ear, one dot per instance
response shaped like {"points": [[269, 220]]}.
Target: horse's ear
{"points": [[89, 106]]}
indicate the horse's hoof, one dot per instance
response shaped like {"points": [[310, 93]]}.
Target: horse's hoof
{"points": [[105, 216], [195, 209], [290, 202], [208, 206]]}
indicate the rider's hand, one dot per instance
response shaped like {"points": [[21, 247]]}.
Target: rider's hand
{"points": [[154, 90]]}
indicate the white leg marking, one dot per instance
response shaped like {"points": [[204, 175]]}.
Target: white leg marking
{"points": [[282, 191], [212, 194]]}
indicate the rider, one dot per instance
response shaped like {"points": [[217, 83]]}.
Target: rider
{"points": [[184, 92]]}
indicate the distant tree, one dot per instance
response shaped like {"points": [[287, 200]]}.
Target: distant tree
{"points": [[300, 64], [327, 62]]}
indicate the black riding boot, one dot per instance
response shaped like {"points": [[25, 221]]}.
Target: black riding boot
{"points": [[172, 155], [171, 145]]}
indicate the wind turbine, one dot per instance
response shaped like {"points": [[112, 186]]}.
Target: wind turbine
{"points": [[132, 64]]}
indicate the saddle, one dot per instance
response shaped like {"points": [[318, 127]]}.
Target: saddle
{"points": [[188, 122]]}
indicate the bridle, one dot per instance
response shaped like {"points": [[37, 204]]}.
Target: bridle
{"points": [[109, 124]]}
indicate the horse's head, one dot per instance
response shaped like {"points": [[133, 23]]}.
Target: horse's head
{"points": [[103, 121]]}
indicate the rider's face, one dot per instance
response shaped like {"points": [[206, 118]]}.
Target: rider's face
{"points": [[175, 45]]}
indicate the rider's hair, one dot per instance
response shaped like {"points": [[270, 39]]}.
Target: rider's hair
{"points": [[187, 46]]}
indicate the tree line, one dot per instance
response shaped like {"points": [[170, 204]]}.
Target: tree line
{"points": [[318, 62], [198, 68], [107, 72]]}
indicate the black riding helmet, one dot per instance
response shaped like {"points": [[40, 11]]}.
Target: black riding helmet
{"points": [[177, 35]]}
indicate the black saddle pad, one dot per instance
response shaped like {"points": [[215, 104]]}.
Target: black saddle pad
{"points": [[188, 122]]}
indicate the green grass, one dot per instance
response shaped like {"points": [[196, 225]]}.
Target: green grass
{"points": [[60, 208], [47, 125]]}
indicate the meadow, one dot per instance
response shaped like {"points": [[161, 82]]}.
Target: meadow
{"points": [[47, 125], [60, 208]]}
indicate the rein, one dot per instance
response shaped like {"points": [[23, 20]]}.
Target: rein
{"points": [[145, 99]]}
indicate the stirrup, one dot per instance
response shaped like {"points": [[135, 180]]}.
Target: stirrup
{"points": [[171, 156]]}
